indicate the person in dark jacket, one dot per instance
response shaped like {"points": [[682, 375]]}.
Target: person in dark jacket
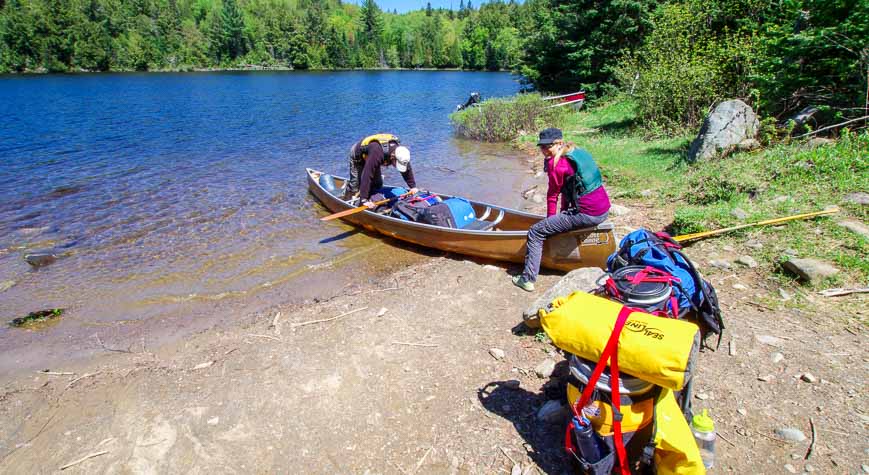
{"points": [[575, 177], [368, 157]]}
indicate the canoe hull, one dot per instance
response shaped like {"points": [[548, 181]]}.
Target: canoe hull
{"points": [[581, 248]]}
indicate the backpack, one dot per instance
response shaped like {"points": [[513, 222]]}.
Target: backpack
{"points": [[410, 209], [585, 179], [660, 251], [626, 423]]}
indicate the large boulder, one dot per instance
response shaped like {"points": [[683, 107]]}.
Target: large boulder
{"points": [[811, 270], [585, 279], [729, 124]]}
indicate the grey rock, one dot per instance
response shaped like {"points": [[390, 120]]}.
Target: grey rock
{"points": [[719, 264], [552, 412], [790, 434], [790, 468], [747, 261], [811, 270], [6, 285], [40, 259], [702, 396], [497, 353], [646, 193], [780, 199], [777, 357], [754, 244], [820, 141], [809, 468], [784, 294], [809, 378], [742, 411], [790, 252], [619, 210], [858, 198], [728, 248], [730, 123], [584, 279], [545, 369], [855, 227], [739, 287], [739, 214], [768, 340], [748, 145]]}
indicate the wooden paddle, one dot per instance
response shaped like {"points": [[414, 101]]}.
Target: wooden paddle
{"points": [[691, 237], [348, 212]]}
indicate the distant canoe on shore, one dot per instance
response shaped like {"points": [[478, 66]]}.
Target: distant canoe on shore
{"points": [[498, 233]]}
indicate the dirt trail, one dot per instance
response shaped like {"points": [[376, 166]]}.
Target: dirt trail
{"points": [[406, 384]]}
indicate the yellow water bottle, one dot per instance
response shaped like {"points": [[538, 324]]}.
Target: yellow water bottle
{"points": [[703, 428]]}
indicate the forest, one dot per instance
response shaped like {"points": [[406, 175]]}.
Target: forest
{"points": [[676, 57]]}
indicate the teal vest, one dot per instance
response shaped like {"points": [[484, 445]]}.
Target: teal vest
{"points": [[586, 179]]}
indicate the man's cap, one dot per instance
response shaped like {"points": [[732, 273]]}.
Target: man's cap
{"points": [[549, 136], [402, 158]]}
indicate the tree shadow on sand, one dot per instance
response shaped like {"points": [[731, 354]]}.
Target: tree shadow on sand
{"points": [[543, 440]]}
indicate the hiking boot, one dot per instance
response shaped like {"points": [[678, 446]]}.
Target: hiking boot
{"points": [[523, 284]]}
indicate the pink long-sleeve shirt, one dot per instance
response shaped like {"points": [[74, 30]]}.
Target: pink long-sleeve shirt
{"points": [[595, 203]]}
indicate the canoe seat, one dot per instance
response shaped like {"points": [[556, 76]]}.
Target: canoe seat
{"points": [[482, 224]]}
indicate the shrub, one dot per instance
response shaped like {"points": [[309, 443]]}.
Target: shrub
{"points": [[498, 120]]}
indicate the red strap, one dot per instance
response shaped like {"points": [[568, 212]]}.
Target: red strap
{"points": [[610, 352], [617, 412]]}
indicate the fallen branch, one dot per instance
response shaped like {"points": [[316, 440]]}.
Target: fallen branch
{"points": [[86, 457], [268, 337], [103, 346], [725, 438], [324, 320], [55, 373], [419, 464], [383, 290], [840, 291], [814, 439], [759, 306], [276, 323], [428, 345], [528, 192], [86, 375], [507, 455], [833, 126]]}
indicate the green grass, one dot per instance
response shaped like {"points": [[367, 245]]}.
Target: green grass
{"points": [[706, 193]]}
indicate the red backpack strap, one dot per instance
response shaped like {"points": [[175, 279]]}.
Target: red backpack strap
{"points": [[610, 353]]}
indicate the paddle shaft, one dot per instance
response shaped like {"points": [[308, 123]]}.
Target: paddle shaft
{"points": [[693, 236], [348, 212]]}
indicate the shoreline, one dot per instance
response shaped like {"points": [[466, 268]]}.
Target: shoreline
{"points": [[251, 68]]}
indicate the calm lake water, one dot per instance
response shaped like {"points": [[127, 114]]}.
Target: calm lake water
{"points": [[179, 200]]}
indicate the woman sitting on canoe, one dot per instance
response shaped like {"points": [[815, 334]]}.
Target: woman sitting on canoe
{"points": [[366, 159], [584, 201]]}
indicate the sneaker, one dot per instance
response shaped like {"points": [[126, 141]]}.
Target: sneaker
{"points": [[523, 284]]}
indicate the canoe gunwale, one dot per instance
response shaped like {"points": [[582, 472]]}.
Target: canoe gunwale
{"points": [[511, 234]]}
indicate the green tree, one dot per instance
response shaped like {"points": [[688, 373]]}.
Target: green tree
{"points": [[232, 30]]}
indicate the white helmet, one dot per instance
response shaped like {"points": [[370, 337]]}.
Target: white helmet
{"points": [[402, 158]]}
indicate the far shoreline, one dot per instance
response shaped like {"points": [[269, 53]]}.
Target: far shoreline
{"points": [[248, 68]]}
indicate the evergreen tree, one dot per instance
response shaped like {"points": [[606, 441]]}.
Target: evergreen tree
{"points": [[232, 30]]}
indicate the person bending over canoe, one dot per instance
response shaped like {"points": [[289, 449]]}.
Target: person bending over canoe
{"points": [[584, 201], [366, 159]]}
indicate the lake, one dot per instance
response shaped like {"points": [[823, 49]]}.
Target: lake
{"points": [[178, 201]]}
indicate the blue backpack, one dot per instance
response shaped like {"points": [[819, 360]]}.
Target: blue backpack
{"points": [[660, 251]]}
